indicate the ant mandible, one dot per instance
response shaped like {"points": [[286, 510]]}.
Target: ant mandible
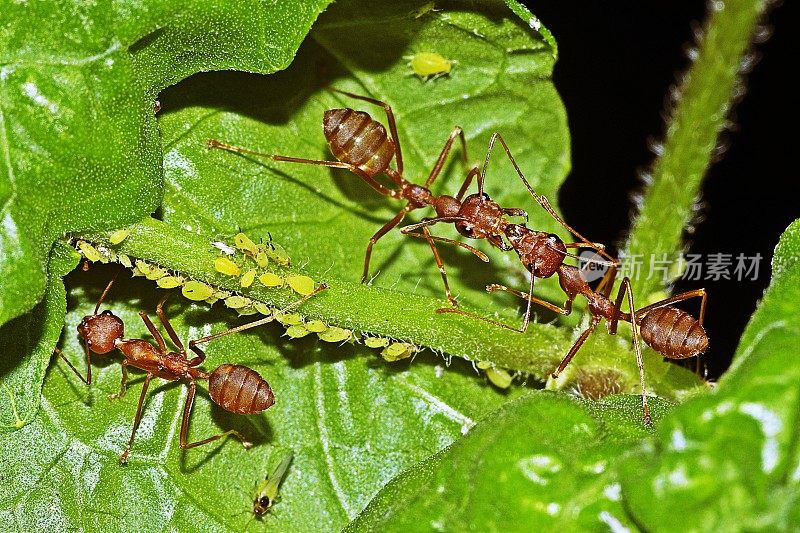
{"points": [[235, 388]]}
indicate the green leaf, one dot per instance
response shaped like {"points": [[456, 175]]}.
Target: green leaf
{"points": [[545, 461], [27, 344], [730, 461], [77, 84]]}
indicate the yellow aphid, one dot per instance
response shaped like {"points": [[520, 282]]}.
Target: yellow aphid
{"points": [[118, 236], [197, 290], [429, 65], [262, 259], [297, 331], [124, 260], [376, 342], [170, 282], [316, 326], [226, 266], [483, 365], [430, 7], [499, 377], [211, 300], [289, 319], [243, 242], [397, 351], [156, 273], [335, 334], [270, 280], [219, 294], [248, 278], [143, 267], [262, 308], [302, 285], [89, 251], [237, 302]]}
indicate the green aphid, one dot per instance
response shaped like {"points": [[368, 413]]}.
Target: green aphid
{"points": [[262, 308], [223, 265], [124, 260], [499, 377], [397, 351], [247, 278], [267, 490], [429, 65], [483, 365], [220, 294], [237, 302], [302, 285], [143, 267], [262, 259], [376, 342], [243, 243], [297, 331], [170, 282], [247, 310], [118, 236], [316, 326], [289, 319], [89, 251], [270, 280], [197, 290], [277, 253], [335, 334], [156, 273]]}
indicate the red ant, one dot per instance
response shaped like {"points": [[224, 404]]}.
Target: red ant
{"points": [[235, 388], [672, 332], [363, 147]]}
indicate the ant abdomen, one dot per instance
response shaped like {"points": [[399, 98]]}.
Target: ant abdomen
{"points": [[355, 138], [239, 389], [673, 333]]}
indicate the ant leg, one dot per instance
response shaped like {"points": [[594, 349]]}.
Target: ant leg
{"points": [[540, 199], [124, 457], [88, 379], [380, 233], [440, 264], [575, 347], [477, 253], [625, 289], [250, 325], [201, 355], [607, 283], [474, 171], [437, 168], [567, 309], [697, 293], [372, 182], [457, 311], [123, 386], [154, 331], [187, 411], [389, 118], [167, 326]]}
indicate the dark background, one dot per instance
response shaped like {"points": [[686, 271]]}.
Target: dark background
{"points": [[616, 63]]}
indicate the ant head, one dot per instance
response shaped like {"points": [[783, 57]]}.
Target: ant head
{"points": [[100, 331]]}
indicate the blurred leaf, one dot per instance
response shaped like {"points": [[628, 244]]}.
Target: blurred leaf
{"points": [[730, 461], [542, 462]]}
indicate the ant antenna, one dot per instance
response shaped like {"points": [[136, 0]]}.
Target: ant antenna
{"points": [[105, 292]]}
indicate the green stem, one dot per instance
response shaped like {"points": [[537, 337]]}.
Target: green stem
{"points": [[705, 97], [407, 317]]}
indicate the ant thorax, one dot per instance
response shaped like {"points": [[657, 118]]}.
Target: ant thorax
{"points": [[484, 217]]}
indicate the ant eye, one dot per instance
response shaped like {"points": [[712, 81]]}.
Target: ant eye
{"points": [[553, 238], [485, 197]]}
